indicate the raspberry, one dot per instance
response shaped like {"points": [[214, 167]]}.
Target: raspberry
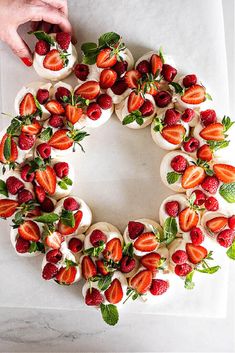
{"points": [[188, 115], [62, 92], [179, 164], [144, 67], [96, 237], [24, 196], [22, 246], [162, 99], [42, 47], [47, 205], [168, 72], [127, 264], [189, 80], [70, 204], [211, 204], [25, 142], [56, 121], [200, 198], [225, 237], [14, 185], [172, 117], [40, 193], [63, 39], [119, 87], [179, 257], [94, 111], [208, 117], [81, 71], [231, 222], [44, 149], [54, 256], [93, 297], [172, 208], [49, 271], [210, 184], [105, 101], [120, 67], [75, 245], [158, 287], [196, 236], [147, 108], [191, 145], [61, 169], [25, 174], [135, 229], [42, 95], [183, 270]]}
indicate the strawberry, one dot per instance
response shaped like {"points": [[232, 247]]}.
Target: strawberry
{"points": [[168, 72], [24, 196], [172, 208], [27, 105], [211, 204], [53, 61], [7, 207], [150, 261], [73, 113], [135, 101], [42, 47], [156, 63], [142, 281], [49, 271], [63, 39], [106, 58], [113, 250], [189, 80], [97, 237], [132, 77], [179, 257], [32, 129], [226, 238], [5, 154], [224, 172], [183, 270], [210, 184], [196, 253], [60, 140], [40, 193], [75, 245], [47, 179], [205, 153], [158, 287], [173, 134], [22, 246], [194, 95], [144, 67], [101, 267], [216, 224], [29, 230], [213, 132], [88, 90], [54, 256], [66, 275], [135, 229], [146, 242], [88, 268], [54, 240], [70, 204], [114, 293], [231, 222], [54, 107], [192, 177], [127, 264], [107, 78], [188, 218], [93, 297], [14, 185], [66, 230], [196, 236]]}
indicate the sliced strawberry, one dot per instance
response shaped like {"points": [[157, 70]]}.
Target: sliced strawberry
{"points": [[88, 268], [146, 242], [135, 101], [27, 105], [113, 250], [193, 176], [7, 207], [47, 179], [60, 140], [213, 132], [216, 224], [54, 107], [88, 90], [142, 281], [196, 253], [224, 172], [12, 154], [156, 63], [152, 89], [107, 78], [188, 218], [54, 240], [132, 77], [29, 230], [66, 275], [73, 113], [66, 230], [106, 58], [150, 261], [205, 153], [32, 129], [102, 268], [194, 95], [53, 61], [173, 134], [114, 293]]}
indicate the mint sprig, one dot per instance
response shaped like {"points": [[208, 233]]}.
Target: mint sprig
{"points": [[109, 314], [170, 230], [3, 188], [172, 177], [41, 35], [67, 218], [135, 116], [227, 191]]}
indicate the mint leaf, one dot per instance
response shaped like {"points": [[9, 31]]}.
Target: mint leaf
{"points": [[170, 230], [15, 127], [227, 191], [227, 123], [95, 251], [172, 177], [128, 119], [36, 246], [3, 188], [104, 282], [47, 218], [67, 218], [62, 185], [208, 97], [108, 39], [209, 270], [89, 59], [46, 134], [216, 145], [178, 89], [158, 124], [160, 53], [7, 148], [109, 313], [70, 263], [139, 120], [89, 47], [128, 250], [67, 181], [231, 251], [43, 36], [188, 283]]}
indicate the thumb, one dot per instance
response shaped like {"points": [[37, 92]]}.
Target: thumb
{"points": [[20, 48]]}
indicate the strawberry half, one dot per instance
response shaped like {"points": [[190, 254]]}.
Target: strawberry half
{"points": [[66, 275], [60, 140], [146, 242], [54, 240], [53, 61], [107, 78], [88, 90], [66, 230], [29, 230], [102, 268], [205, 153], [12, 154], [32, 129], [142, 281], [73, 113], [54, 107], [132, 77], [88, 268], [224, 172], [192, 177], [135, 101], [27, 105], [196, 253], [188, 218], [213, 132], [194, 95], [113, 250], [7, 207], [106, 58], [156, 63], [173, 134], [216, 224], [47, 179], [150, 261], [114, 293]]}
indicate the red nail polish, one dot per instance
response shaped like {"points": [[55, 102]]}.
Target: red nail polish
{"points": [[27, 61]]}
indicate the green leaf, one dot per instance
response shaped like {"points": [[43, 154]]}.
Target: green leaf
{"points": [[170, 230], [47, 218], [231, 251], [172, 177], [227, 191], [109, 313], [128, 250], [139, 121], [67, 218], [89, 47], [62, 185], [209, 270], [130, 118], [67, 181], [227, 123], [3, 188], [208, 97], [89, 59], [158, 124], [70, 263], [15, 127], [38, 105], [188, 283], [46, 134], [178, 89], [43, 36], [160, 53], [36, 246], [216, 145], [7, 148], [95, 251], [104, 282], [108, 39]]}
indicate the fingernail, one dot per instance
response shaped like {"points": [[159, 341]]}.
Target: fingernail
{"points": [[27, 61]]}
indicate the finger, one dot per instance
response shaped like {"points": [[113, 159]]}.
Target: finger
{"points": [[60, 5], [20, 48]]}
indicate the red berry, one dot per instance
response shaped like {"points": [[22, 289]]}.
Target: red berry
{"points": [[22, 246], [127, 264], [211, 204], [25, 174], [96, 237], [119, 87], [49, 271], [25, 142], [183, 270], [172, 117], [135, 229], [208, 117], [40, 193], [63, 39], [14, 185], [168, 72], [179, 164], [42, 47], [189, 80], [191, 145], [44, 149], [225, 237], [47, 205], [105, 101], [93, 297], [120, 67], [42, 95], [62, 92], [162, 99], [231, 222], [210, 184], [94, 111], [172, 208], [158, 287], [200, 198], [81, 71], [188, 115], [54, 256], [71, 204], [147, 108], [75, 245], [24, 196], [56, 121], [61, 169], [144, 67], [179, 257], [196, 236]]}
